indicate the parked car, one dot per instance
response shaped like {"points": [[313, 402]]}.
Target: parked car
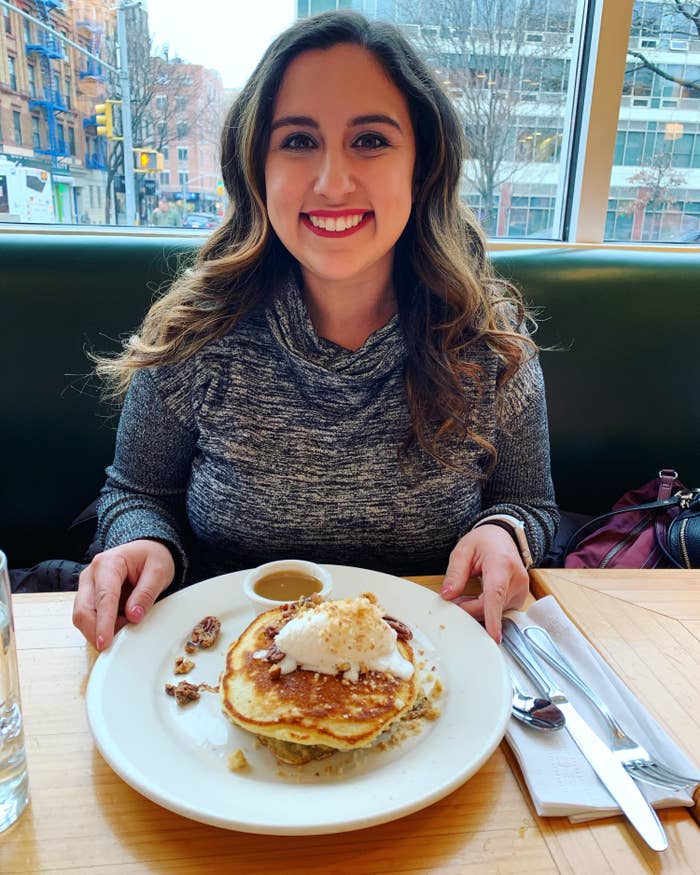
{"points": [[201, 220]]}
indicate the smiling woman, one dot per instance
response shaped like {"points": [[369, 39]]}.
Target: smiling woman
{"points": [[338, 172], [339, 376]]}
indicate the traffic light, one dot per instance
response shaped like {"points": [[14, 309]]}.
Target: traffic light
{"points": [[104, 119], [147, 161]]}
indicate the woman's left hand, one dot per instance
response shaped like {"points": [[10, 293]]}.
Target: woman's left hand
{"points": [[491, 552]]}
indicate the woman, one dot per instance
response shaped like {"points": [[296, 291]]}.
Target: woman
{"points": [[339, 376]]}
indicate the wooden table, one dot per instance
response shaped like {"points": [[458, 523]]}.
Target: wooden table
{"points": [[84, 819]]}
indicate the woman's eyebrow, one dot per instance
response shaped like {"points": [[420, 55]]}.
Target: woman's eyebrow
{"points": [[373, 119], [294, 121]]}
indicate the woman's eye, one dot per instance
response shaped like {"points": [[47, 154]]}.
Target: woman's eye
{"points": [[298, 142], [370, 141]]}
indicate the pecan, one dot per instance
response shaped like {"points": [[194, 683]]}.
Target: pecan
{"points": [[403, 633], [271, 631], [183, 665], [184, 692], [275, 672], [190, 647], [206, 632], [274, 654]]}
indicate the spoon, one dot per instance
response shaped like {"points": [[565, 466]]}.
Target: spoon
{"points": [[535, 711]]}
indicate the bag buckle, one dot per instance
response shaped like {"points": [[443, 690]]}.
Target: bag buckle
{"points": [[686, 499]]}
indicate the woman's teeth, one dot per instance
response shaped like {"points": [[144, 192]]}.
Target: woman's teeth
{"points": [[342, 223]]}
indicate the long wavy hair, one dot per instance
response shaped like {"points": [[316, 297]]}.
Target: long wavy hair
{"points": [[448, 296]]}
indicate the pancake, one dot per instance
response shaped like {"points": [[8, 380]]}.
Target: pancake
{"points": [[305, 714]]}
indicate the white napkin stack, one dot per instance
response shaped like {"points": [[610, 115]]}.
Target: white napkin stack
{"points": [[559, 778]]}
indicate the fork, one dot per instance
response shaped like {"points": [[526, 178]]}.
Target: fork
{"points": [[632, 755]]}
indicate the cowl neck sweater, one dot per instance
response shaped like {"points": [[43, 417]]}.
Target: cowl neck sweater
{"points": [[325, 370], [273, 442]]}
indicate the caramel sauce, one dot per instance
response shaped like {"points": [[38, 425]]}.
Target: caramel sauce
{"points": [[287, 586]]}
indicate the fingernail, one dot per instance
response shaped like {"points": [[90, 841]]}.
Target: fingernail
{"points": [[100, 643], [446, 590], [137, 613]]}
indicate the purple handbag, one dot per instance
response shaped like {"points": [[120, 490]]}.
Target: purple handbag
{"points": [[657, 525]]}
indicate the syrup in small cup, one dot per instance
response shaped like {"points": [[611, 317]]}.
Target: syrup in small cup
{"points": [[275, 583]]}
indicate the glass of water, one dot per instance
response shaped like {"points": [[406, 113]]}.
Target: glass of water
{"points": [[14, 793]]}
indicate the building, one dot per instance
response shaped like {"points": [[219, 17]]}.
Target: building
{"points": [[188, 110], [46, 96], [57, 64]]}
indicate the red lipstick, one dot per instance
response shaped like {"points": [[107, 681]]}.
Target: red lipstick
{"points": [[334, 214]]}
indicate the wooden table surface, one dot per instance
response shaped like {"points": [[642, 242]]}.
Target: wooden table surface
{"points": [[84, 819]]}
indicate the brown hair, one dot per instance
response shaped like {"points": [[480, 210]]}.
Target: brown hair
{"points": [[448, 296]]}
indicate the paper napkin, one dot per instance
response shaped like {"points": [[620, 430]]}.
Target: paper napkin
{"points": [[559, 778]]}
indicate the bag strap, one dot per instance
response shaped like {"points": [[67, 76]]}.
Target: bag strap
{"points": [[664, 500], [667, 478]]}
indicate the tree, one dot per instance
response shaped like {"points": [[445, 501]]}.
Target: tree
{"points": [[181, 98], [163, 95], [672, 19], [658, 184], [495, 77]]}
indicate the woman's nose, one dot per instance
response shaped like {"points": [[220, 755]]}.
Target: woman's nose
{"points": [[335, 179]]}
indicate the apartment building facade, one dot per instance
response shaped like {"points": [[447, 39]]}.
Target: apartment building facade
{"points": [[57, 64]]}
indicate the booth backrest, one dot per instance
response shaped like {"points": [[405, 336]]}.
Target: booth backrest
{"points": [[619, 330]]}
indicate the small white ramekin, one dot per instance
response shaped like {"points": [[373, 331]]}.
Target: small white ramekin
{"points": [[260, 603]]}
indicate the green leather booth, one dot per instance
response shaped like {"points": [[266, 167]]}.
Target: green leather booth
{"points": [[620, 330]]}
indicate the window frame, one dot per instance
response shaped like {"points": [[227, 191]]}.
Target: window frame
{"points": [[608, 30]]}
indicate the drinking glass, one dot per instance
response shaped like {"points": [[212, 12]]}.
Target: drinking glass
{"points": [[14, 793]]}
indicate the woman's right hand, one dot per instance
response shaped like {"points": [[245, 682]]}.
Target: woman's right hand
{"points": [[120, 586]]}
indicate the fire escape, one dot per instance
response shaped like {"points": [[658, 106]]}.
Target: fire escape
{"points": [[48, 48], [97, 157]]}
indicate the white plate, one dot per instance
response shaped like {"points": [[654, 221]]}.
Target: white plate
{"points": [[176, 756]]}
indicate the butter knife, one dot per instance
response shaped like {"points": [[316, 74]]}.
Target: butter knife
{"points": [[613, 775]]}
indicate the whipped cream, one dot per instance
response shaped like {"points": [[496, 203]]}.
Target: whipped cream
{"points": [[348, 635]]}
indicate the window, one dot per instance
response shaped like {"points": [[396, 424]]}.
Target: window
{"points": [[511, 68], [36, 133], [655, 182], [17, 125], [12, 70], [510, 83]]}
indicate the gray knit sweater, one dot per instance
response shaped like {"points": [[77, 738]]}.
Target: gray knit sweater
{"points": [[272, 442]]}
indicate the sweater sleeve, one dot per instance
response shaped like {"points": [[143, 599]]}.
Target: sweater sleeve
{"points": [[144, 496], [521, 483]]}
